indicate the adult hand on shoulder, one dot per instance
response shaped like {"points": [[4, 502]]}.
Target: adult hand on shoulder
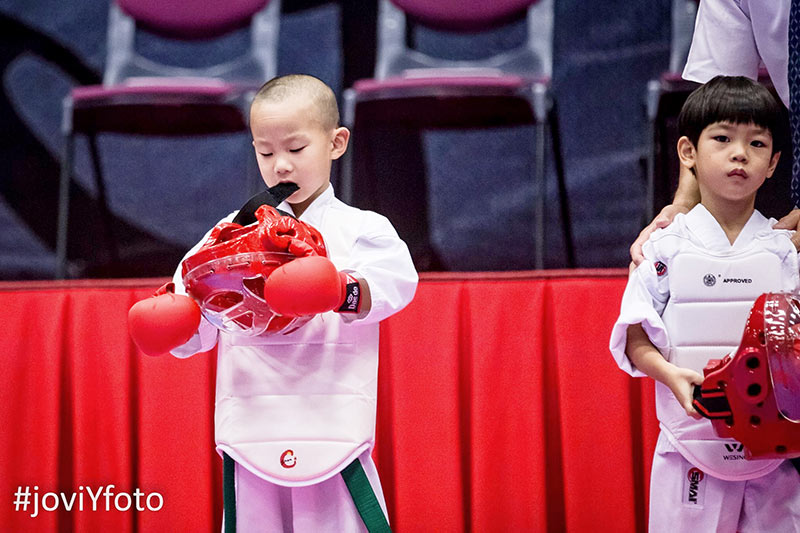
{"points": [[663, 220], [687, 196], [791, 222]]}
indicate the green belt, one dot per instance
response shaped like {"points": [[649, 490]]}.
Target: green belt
{"points": [[229, 492], [364, 497]]}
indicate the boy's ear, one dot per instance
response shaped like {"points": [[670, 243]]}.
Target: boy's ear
{"points": [[773, 163], [686, 152], [341, 136]]}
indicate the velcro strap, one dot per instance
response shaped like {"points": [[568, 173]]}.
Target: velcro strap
{"points": [[352, 298], [711, 403], [168, 287]]}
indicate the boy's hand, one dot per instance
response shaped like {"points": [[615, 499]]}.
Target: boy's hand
{"points": [[681, 382], [163, 322], [311, 285], [792, 222], [663, 220]]}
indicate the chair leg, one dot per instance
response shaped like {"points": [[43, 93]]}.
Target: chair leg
{"points": [[538, 99], [539, 194], [653, 95], [255, 183], [102, 198], [558, 157], [345, 185], [253, 180], [63, 204]]}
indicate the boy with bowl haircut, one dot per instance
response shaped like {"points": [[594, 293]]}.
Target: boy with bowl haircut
{"points": [[688, 302]]}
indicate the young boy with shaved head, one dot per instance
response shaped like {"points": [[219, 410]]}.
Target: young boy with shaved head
{"points": [[295, 413]]}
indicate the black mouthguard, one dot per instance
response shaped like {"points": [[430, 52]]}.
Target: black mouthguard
{"points": [[272, 196]]}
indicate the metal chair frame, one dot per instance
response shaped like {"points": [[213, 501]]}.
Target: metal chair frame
{"points": [[531, 61], [231, 84]]}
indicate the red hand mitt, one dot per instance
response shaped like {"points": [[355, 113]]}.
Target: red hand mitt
{"points": [[161, 323], [305, 286]]}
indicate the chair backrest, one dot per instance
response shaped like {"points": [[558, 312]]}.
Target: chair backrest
{"points": [[192, 20], [683, 16], [395, 58]]}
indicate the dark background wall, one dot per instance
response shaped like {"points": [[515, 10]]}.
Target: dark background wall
{"points": [[166, 193]]}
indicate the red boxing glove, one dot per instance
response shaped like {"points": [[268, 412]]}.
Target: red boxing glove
{"points": [[311, 285], [163, 322]]}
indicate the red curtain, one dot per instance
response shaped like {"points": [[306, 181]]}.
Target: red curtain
{"points": [[83, 410], [500, 409]]}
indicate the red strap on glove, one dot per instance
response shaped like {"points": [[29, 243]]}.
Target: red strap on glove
{"points": [[163, 322], [311, 285], [292, 235]]}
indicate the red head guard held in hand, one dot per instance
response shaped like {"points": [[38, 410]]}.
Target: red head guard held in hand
{"points": [[753, 396], [227, 274]]}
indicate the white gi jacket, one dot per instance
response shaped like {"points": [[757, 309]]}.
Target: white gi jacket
{"points": [[733, 37], [692, 295], [296, 409]]}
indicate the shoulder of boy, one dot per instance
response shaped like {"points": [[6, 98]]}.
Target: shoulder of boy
{"points": [[664, 243], [676, 228], [658, 255], [779, 241], [365, 221]]}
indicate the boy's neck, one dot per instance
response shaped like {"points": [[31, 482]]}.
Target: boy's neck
{"points": [[731, 216]]}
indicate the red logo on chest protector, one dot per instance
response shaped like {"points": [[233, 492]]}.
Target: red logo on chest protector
{"points": [[661, 268], [288, 459]]}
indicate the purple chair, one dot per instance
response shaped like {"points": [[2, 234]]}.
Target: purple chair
{"points": [[508, 88], [141, 96]]}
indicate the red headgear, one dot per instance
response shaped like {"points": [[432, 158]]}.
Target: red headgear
{"points": [[226, 276], [754, 395]]}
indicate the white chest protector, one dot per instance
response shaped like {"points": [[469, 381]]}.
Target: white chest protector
{"points": [[295, 409], [710, 298], [296, 412]]}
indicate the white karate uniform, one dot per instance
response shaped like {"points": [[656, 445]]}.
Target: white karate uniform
{"points": [[692, 295], [294, 410], [734, 37]]}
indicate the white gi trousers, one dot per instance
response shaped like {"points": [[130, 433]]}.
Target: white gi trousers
{"points": [[766, 504]]}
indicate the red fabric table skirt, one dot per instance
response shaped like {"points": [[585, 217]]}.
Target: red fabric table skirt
{"points": [[500, 409]]}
